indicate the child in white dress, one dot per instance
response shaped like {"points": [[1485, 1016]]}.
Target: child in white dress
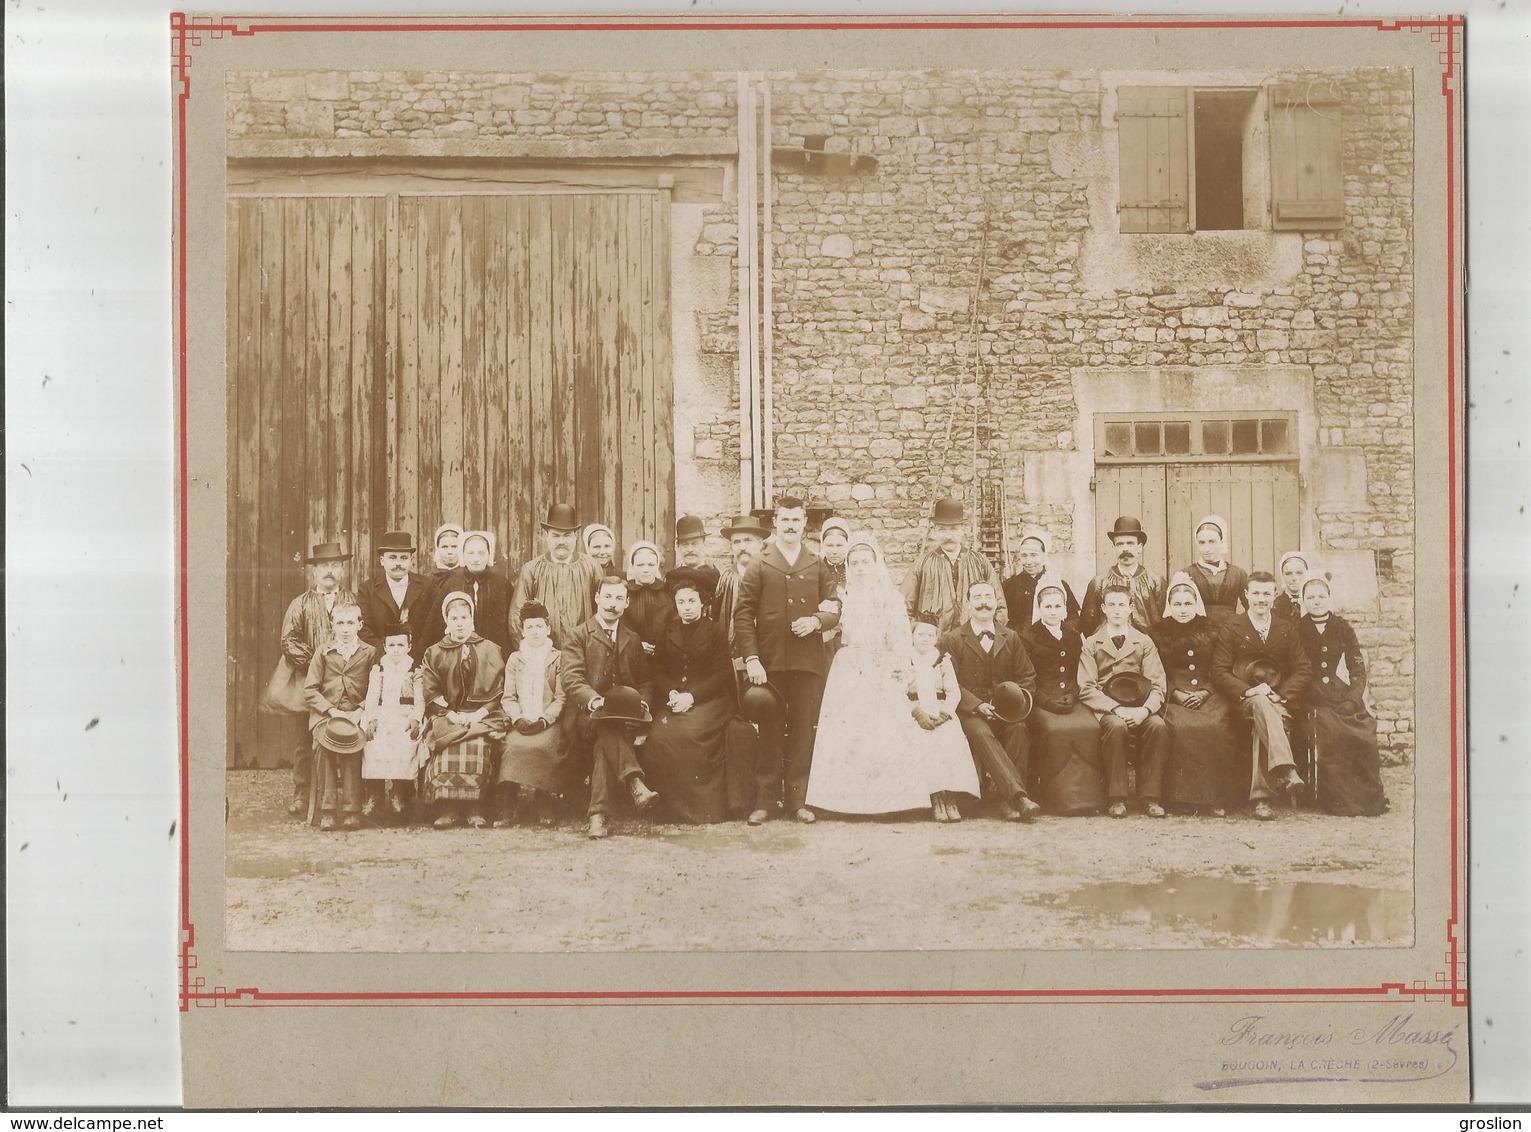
{"points": [[942, 748], [392, 712]]}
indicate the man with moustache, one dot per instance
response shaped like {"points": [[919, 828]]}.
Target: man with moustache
{"points": [[1251, 637], [560, 579], [786, 601], [1146, 588], [984, 655], [600, 655], [396, 596], [746, 538], [937, 584], [691, 551]]}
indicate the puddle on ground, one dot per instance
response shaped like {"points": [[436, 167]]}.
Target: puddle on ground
{"points": [[1303, 912]]}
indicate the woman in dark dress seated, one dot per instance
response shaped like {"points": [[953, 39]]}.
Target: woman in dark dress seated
{"points": [[1066, 758], [1202, 762], [1343, 730], [694, 675]]}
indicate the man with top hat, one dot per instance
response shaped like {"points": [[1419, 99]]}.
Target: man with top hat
{"points": [[1146, 589], [335, 690], [746, 539], [998, 685], [307, 628], [786, 601], [562, 579], [1122, 680], [1259, 662], [691, 550], [608, 690], [396, 595], [937, 583]]}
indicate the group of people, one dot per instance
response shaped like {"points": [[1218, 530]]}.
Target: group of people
{"points": [[798, 683]]}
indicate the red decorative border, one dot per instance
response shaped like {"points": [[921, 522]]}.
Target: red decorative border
{"points": [[1449, 984]]}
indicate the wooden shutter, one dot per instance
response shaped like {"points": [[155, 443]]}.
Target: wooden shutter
{"points": [[1154, 126], [1307, 183]]}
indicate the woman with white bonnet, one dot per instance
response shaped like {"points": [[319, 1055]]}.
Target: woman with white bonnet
{"points": [[1204, 770], [1220, 583], [1020, 588], [600, 543], [1065, 753], [1291, 572]]}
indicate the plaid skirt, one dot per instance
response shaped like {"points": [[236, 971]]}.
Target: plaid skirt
{"points": [[460, 772]]}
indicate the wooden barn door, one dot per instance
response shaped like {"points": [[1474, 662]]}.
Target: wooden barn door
{"points": [[544, 321], [396, 361], [1259, 501], [1136, 490], [306, 337]]}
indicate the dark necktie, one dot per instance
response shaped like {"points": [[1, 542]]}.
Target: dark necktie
{"points": [[1118, 641]]}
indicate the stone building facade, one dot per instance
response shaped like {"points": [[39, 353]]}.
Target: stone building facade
{"points": [[957, 308]]}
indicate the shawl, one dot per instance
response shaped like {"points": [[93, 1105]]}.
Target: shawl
{"points": [[931, 588]]}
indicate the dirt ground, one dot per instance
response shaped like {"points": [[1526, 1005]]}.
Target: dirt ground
{"points": [[886, 884]]}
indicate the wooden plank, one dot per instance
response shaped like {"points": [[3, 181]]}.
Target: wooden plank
{"points": [[520, 502], [295, 400], [473, 349], [340, 401], [316, 343], [561, 223], [243, 248], [1286, 509], [494, 302], [429, 465], [1262, 508], [584, 397], [542, 420], [386, 275], [1180, 503], [273, 572], [450, 337], [366, 389], [405, 467], [647, 396], [609, 374], [664, 384]]}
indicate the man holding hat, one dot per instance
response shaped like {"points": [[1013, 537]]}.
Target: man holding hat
{"points": [[561, 579], [998, 684], [1146, 589], [307, 628], [937, 584], [608, 688], [746, 538], [335, 689], [395, 596], [1121, 679]]}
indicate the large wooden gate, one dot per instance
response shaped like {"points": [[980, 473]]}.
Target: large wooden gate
{"points": [[395, 361]]}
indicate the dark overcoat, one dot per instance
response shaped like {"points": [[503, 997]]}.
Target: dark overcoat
{"points": [[1283, 647], [774, 594], [378, 611]]}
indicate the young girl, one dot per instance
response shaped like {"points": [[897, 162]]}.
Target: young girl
{"points": [[940, 745], [534, 763], [1344, 730], [392, 712], [834, 541]]}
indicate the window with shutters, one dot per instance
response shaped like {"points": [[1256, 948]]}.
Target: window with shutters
{"points": [[1217, 160]]}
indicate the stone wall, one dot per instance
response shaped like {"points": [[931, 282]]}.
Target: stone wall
{"points": [[903, 372]]}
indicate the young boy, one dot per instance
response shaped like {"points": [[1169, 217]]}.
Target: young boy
{"points": [[1119, 647], [335, 690], [393, 711]]}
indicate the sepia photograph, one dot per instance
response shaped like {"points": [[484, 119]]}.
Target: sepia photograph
{"points": [[840, 509]]}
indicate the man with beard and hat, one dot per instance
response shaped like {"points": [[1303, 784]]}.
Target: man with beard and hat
{"points": [[691, 550], [937, 584], [746, 538], [395, 596], [1260, 664], [986, 655], [561, 579], [1128, 538], [306, 628], [786, 602], [604, 659]]}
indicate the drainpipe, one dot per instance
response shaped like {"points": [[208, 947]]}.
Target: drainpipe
{"points": [[748, 375], [768, 418]]}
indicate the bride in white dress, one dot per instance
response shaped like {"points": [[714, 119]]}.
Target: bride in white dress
{"points": [[870, 755]]}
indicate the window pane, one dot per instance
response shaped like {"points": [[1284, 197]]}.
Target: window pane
{"points": [[1214, 437], [1246, 437], [1118, 440], [1274, 437], [1177, 438], [1148, 442]]}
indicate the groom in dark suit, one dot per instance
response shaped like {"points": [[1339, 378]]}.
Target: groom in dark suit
{"points": [[984, 655], [778, 630]]}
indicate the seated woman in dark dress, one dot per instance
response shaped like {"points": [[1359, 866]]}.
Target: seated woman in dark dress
{"points": [[693, 673], [1203, 761], [1065, 755], [1343, 730]]}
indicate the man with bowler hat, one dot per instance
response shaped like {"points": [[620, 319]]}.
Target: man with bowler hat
{"points": [[786, 602], [603, 660], [746, 538], [562, 578], [396, 595], [1128, 538], [691, 549], [306, 629], [937, 584], [986, 655]]}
